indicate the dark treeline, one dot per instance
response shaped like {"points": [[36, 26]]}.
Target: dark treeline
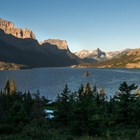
{"points": [[20, 113], [87, 114]]}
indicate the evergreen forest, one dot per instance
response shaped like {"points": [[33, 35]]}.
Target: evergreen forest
{"points": [[86, 114]]}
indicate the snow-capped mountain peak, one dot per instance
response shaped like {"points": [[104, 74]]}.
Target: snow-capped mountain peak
{"points": [[97, 54]]}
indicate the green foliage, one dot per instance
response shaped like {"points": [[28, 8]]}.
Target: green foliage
{"points": [[12, 87], [89, 112], [63, 109], [7, 87], [86, 114], [19, 109]]}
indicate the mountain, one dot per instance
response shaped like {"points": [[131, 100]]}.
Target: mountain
{"points": [[91, 55], [20, 46], [60, 44], [126, 59], [9, 28], [96, 55]]}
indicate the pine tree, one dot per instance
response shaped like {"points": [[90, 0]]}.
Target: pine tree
{"points": [[7, 87], [62, 113], [12, 87], [102, 93], [81, 90], [123, 104], [95, 91], [87, 88], [83, 113]]}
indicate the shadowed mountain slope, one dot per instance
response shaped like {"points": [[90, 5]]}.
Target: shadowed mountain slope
{"points": [[24, 49]]}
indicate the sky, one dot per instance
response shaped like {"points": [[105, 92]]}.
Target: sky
{"points": [[86, 24]]}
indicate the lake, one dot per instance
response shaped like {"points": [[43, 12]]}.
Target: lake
{"points": [[51, 81]]}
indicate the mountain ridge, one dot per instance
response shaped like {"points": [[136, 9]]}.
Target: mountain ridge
{"points": [[126, 59], [96, 55], [26, 50], [9, 28], [19, 48]]}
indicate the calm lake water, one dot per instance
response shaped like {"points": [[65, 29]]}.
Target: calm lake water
{"points": [[51, 81]]}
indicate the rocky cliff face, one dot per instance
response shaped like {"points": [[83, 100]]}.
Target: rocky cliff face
{"points": [[60, 44], [8, 28], [59, 48], [19, 46]]}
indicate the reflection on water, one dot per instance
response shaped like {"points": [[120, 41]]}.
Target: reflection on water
{"points": [[51, 81]]}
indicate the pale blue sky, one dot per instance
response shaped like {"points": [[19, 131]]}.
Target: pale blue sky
{"points": [[86, 24]]}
